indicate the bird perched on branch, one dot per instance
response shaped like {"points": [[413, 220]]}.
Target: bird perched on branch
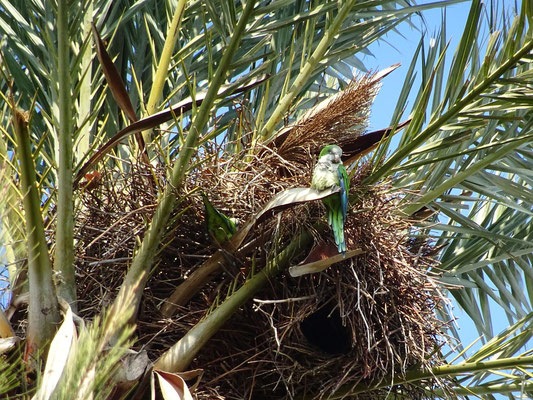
{"points": [[329, 172], [219, 226]]}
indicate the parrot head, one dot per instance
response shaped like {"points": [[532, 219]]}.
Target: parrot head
{"points": [[332, 152]]}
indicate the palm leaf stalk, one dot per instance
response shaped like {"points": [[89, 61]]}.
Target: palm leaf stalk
{"points": [[497, 389], [41, 325], [13, 217], [496, 355], [162, 71], [64, 250], [84, 121]]}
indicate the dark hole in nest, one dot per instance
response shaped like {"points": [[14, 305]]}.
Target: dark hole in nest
{"points": [[325, 330]]}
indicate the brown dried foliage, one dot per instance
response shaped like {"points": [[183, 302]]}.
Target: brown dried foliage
{"points": [[339, 119]]}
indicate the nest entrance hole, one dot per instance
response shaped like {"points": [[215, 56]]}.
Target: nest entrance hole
{"points": [[325, 330]]}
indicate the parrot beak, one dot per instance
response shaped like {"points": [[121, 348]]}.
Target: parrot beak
{"points": [[337, 159]]}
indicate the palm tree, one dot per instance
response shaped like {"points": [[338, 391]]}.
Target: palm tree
{"points": [[104, 157]]}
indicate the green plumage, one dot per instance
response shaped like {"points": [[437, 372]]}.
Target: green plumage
{"points": [[329, 172], [219, 227]]}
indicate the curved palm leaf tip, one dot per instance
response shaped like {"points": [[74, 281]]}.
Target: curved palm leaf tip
{"points": [[220, 227], [329, 172]]}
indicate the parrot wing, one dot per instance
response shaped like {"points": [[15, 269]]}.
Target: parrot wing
{"points": [[344, 183]]}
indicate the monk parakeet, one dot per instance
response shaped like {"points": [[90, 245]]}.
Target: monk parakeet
{"points": [[329, 172], [219, 227]]}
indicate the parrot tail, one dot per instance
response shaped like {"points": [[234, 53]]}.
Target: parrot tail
{"points": [[336, 221]]}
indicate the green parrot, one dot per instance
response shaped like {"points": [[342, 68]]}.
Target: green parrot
{"points": [[329, 172], [219, 227]]}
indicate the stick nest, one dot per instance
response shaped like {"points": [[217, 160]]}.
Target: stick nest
{"points": [[359, 321]]}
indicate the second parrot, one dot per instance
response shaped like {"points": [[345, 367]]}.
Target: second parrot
{"points": [[219, 227]]}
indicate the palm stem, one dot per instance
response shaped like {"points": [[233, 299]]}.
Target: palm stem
{"points": [[521, 387], [43, 313], [64, 250], [161, 74]]}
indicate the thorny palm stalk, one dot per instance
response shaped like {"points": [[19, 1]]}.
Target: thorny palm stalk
{"points": [[43, 314], [64, 253]]}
